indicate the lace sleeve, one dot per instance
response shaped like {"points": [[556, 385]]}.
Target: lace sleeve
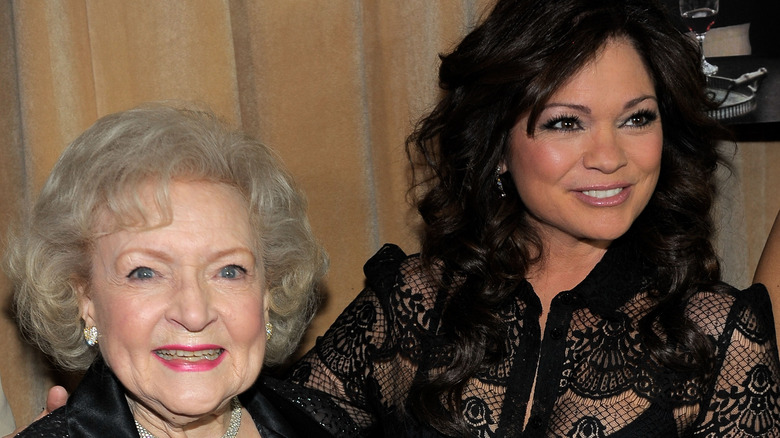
{"points": [[339, 364], [744, 400]]}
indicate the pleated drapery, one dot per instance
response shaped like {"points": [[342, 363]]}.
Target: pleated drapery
{"points": [[333, 86]]}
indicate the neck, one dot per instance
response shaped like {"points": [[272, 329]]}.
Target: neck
{"points": [[151, 424], [563, 266]]}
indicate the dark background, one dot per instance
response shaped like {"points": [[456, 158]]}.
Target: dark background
{"points": [[762, 15]]}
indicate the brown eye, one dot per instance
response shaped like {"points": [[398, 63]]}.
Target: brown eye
{"points": [[641, 118], [563, 123]]}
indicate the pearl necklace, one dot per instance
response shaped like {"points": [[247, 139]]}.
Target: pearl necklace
{"points": [[235, 422]]}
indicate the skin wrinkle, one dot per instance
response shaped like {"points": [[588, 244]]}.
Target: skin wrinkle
{"points": [[163, 286]]}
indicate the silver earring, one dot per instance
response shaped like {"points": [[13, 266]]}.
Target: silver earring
{"points": [[499, 183], [269, 330], [91, 335]]}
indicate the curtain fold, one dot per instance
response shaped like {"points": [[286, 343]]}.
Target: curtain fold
{"points": [[333, 86]]}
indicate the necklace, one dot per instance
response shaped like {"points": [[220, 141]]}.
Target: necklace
{"points": [[235, 422]]}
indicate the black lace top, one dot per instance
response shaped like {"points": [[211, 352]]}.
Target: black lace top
{"points": [[592, 377]]}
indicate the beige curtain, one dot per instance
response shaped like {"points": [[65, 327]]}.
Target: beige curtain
{"points": [[334, 86]]}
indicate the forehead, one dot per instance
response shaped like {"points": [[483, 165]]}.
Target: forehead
{"points": [[616, 69], [154, 204]]}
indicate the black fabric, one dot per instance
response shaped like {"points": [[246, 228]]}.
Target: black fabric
{"points": [[98, 408], [592, 377]]}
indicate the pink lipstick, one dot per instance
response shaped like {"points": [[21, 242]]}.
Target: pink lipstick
{"points": [[187, 358]]}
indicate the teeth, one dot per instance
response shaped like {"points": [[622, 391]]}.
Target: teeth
{"points": [[189, 356], [603, 193]]}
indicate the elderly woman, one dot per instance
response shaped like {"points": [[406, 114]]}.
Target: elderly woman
{"points": [[567, 285], [170, 258]]}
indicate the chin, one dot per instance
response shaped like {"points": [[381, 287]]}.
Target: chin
{"points": [[606, 237]]}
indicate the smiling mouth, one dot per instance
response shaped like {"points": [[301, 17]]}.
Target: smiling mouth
{"points": [[189, 356], [600, 194]]}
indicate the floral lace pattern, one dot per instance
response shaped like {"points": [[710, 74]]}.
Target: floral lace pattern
{"points": [[592, 378]]}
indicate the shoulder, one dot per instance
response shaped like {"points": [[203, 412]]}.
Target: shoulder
{"points": [[404, 288], [390, 269], [383, 269], [747, 313]]}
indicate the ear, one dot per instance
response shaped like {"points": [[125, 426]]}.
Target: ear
{"points": [[86, 305], [502, 166], [266, 303]]}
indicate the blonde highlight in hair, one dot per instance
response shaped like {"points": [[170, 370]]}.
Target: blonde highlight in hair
{"points": [[102, 171]]}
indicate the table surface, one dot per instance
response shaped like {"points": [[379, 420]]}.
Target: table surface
{"points": [[763, 123]]}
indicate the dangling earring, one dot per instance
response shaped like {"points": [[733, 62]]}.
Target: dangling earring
{"points": [[269, 330], [91, 335], [499, 183]]}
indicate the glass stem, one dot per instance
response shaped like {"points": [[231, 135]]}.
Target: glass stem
{"points": [[700, 39]]}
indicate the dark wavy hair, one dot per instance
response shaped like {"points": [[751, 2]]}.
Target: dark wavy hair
{"points": [[509, 66]]}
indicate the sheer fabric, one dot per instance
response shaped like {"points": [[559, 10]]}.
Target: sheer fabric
{"points": [[593, 378]]}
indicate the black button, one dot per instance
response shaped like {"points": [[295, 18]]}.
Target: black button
{"points": [[535, 422], [556, 333]]}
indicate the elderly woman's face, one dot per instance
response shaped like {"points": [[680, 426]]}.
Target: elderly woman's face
{"points": [[180, 308], [593, 162]]}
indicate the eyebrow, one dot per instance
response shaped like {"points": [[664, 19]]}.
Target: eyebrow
{"points": [[584, 109], [167, 258]]}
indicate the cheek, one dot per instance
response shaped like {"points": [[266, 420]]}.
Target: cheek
{"points": [[539, 163], [126, 322], [647, 156], [246, 325]]}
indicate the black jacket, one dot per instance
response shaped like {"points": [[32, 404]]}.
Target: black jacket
{"points": [[97, 408]]}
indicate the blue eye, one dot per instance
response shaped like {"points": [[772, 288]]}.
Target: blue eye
{"points": [[232, 272], [141, 273]]}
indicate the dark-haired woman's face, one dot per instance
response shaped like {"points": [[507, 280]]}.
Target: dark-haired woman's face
{"points": [[594, 159]]}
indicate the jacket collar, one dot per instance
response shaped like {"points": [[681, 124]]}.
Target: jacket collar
{"points": [[98, 408]]}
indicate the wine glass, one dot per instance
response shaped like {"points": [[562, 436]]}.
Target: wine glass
{"points": [[699, 16]]}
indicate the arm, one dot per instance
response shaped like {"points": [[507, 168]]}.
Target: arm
{"points": [[743, 397], [367, 360], [768, 270], [340, 364]]}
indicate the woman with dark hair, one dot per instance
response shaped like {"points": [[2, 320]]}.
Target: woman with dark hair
{"points": [[566, 285]]}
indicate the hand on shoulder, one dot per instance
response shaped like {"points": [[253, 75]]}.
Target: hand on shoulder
{"points": [[56, 398]]}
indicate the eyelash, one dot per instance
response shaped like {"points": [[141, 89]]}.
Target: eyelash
{"points": [[550, 124], [649, 117]]}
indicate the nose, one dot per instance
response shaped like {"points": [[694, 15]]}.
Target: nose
{"points": [[604, 151], [192, 306]]}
